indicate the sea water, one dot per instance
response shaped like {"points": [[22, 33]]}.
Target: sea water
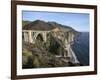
{"points": [[81, 48]]}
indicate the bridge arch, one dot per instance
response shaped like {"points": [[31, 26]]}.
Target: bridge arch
{"points": [[31, 36], [40, 37]]}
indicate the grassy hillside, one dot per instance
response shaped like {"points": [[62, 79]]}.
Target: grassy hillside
{"points": [[25, 23], [44, 54]]}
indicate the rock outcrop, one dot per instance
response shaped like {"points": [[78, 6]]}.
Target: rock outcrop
{"points": [[54, 52]]}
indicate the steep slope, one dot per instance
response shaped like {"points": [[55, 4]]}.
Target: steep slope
{"points": [[43, 54], [25, 23], [38, 25], [45, 26]]}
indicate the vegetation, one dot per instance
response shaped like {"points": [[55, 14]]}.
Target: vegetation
{"points": [[25, 23], [43, 54]]}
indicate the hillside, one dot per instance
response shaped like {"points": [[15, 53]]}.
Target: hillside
{"points": [[42, 25], [43, 54], [25, 23]]}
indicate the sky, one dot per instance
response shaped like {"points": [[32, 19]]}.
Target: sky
{"points": [[78, 21]]}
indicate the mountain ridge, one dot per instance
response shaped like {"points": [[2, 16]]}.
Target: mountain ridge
{"points": [[45, 26]]}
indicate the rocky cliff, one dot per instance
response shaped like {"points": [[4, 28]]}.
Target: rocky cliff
{"points": [[51, 53]]}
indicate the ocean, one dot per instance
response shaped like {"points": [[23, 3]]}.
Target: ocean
{"points": [[81, 48]]}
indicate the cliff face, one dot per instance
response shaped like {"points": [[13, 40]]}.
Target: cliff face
{"points": [[53, 52]]}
